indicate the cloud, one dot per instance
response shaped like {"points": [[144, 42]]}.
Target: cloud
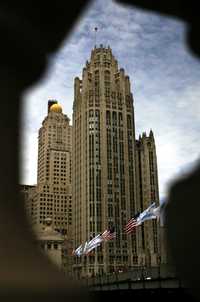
{"points": [[164, 80]]}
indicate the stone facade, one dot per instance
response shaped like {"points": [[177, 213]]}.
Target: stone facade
{"points": [[147, 193], [51, 243], [51, 198], [106, 169], [104, 174], [53, 193], [28, 196]]}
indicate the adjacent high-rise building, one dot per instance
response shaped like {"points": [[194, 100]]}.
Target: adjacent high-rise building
{"points": [[50, 201], [104, 181], [53, 191]]}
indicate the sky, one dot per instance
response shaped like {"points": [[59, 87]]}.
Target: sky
{"points": [[164, 77]]}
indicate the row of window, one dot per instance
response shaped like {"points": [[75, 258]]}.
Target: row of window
{"points": [[49, 246]]}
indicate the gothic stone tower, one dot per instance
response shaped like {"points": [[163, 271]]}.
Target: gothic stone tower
{"points": [[103, 163], [147, 192]]}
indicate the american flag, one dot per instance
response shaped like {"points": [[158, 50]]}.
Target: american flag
{"points": [[131, 225], [108, 234]]}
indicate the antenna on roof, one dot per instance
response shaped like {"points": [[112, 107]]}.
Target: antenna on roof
{"points": [[95, 35]]}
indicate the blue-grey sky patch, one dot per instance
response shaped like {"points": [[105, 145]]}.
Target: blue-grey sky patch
{"points": [[164, 79]]}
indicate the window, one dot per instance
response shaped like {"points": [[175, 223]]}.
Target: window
{"points": [[55, 246]]}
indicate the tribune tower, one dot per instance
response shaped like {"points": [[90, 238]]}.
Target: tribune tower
{"points": [[103, 163]]}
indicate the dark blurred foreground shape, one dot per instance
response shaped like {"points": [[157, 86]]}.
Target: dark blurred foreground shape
{"points": [[30, 32], [186, 11], [183, 208]]}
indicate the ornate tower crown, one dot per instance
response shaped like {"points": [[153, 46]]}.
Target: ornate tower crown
{"points": [[102, 57]]}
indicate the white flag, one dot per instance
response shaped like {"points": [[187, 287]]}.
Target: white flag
{"points": [[93, 243], [78, 251], [85, 248], [96, 239], [147, 214], [156, 212], [92, 247]]}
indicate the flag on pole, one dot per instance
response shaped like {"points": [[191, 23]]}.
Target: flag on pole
{"points": [[132, 224], [157, 211], [78, 251], [85, 248], [89, 249], [109, 234], [150, 213], [147, 214], [93, 243], [95, 240]]}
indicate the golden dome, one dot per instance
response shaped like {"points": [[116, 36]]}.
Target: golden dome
{"points": [[56, 108]]}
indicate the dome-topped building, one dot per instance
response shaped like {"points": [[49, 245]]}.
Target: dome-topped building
{"points": [[56, 108], [54, 169]]}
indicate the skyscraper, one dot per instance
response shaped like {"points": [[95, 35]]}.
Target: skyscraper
{"points": [[53, 191], [112, 175], [104, 174]]}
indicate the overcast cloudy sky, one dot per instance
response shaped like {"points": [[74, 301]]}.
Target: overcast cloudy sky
{"points": [[164, 77]]}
